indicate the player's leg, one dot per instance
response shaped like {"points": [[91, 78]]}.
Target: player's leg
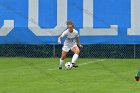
{"points": [[76, 51], [63, 56], [65, 50]]}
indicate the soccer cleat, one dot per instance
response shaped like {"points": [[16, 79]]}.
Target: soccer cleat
{"points": [[137, 78], [60, 67], [74, 65]]}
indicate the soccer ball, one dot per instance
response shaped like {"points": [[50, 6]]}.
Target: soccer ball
{"points": [[68, 65]]}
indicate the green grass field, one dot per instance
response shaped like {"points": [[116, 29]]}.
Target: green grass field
{"points": [[41, 75]]}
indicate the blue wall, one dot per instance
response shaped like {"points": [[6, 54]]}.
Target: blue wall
{"points": [[106, 13]]}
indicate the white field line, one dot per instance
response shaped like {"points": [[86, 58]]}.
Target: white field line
{"points": [[90, 62], [86, 63]]}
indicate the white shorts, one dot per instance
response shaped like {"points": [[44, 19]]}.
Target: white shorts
{"points": [[67, 48]]}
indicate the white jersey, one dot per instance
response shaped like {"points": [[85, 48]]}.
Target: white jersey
{"points": [[70, 37]]}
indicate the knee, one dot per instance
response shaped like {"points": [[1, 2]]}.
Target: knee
{"points": [[77, 52]]}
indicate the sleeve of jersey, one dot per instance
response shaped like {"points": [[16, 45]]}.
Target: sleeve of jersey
{"points": [[77, 35], [63, 34]]}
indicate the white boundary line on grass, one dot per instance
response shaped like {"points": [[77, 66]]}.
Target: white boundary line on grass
{"points": [[86, 63], [90, 62]]}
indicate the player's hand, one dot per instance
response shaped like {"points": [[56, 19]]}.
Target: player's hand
{"points": [[59, 42]]}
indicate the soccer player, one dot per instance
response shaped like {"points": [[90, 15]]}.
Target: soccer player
{"points": [[72, 43]]}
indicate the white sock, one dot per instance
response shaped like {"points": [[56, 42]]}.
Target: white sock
{"points": [[74, 58], [61, 62]]}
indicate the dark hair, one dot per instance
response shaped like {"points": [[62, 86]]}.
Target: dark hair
{"points": [[69, 22]]}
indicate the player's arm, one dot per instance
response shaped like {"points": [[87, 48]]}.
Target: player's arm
{"points": [[78, 42], [61, 36], [59, 40]]}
